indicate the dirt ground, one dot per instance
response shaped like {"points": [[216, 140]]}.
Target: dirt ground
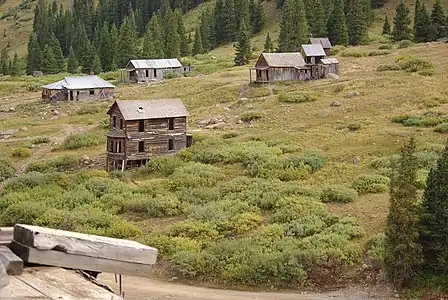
{"points": [[147, 289]]}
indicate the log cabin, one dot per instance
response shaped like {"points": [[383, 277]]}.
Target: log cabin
{"points": [[145, 70], [141, 129], [324, 42], [75, 88]]}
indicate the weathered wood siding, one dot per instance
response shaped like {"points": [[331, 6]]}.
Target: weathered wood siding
{"points": [[84, 95], [145, 75], [282, 74], [333, 68]]}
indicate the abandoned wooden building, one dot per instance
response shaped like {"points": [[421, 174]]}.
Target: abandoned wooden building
{"points": [[324, 42], [308, 64], [76, 88], [141, 129], [145, 70]]}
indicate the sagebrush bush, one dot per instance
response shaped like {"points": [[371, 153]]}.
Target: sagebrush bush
{"points": [[167, 246], [196, 175], [422, 176], [26, 212], [378, 52], [292, 208], [7, 170], [336, 49], [352, 53], [88, 110], [338, 193], [56, 164], [388, 67], [296, 97], [375, 250], [442, 128], [412, 64], [40, 140], [22, 152], [404, 44], [83, 140], [367, 183], [170, 75], [354, 126], [385, 47], [427, 72], [33, 179], [250, 116], [166, 165]]}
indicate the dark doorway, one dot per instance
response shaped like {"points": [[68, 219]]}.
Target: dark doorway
{"points": [[171, 124], [147, 73], [170, 144], [155, 73], [141, 147], [71, 95], [141, 125]]}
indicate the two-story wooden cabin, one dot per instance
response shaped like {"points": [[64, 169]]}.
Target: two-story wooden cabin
{"points": [[141, 129]]}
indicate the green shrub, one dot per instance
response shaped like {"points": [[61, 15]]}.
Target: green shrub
{"points": [[221, 210], [85, 175], [245, 222], [170, 75], [7, 170], [404, 44], [41, 140], [165, 165], [378, 52], [305, 226], [196, 175], [352, 53], [203, 232], [55, 164], [413, 64], [336, 49], [375, 250], [105, 123], [83, 140], [385, 47], [26, 212], [292, 208], [442, 128], [315, 159], [347, 227], [422, 176], [160, 205], [339, 193], [354, 126], [229, 135], [388, 67], [33, 179], [250, 116], [88, 110], [367, 183], [168, 246], [427, 72], [296, 97], [22, 152]]}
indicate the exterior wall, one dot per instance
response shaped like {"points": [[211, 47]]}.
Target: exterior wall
{"points": [[85, 94], [283, 74], [145, 75], [327, 51], [333, 68]]}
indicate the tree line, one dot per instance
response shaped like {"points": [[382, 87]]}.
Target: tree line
{"points": [[105, 37], [8, 65], [416, 231], [427, 26]]}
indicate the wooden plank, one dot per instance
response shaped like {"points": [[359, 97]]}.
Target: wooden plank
{"points": [[4, 278], [57, 283], [12, 263], [18, 290], [6, 234], [84, 244], [61, 259]]}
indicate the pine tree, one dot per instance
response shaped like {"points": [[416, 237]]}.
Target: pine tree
{"points": [[171, 36], [242, 14], [219, 21], [105, 47], [81, 45], [205, 30], [229, 22], [337, 26], [293, 27], [257, 15], [243, 47], [319, 29], [438, 20], [114, 40], [96, 64], [153, 40], [356, 22], [401, 30], [57, 52], [15, 68], [268, 44], [34, 55], [197, 45], [72, 62], [184, 47], [386, 26], [128, 41], [435, 218], [403, 254], [4, 62], [49, 64], [423, 30]]}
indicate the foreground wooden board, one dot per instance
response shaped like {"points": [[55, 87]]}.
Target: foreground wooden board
{"points": [[6, 235], [53, 284], [84, 244], [80, 262], [12, 263], [4, 278]]}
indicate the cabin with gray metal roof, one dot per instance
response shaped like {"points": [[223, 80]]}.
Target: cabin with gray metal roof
{"points": [[142, 129], [145, 70], [76, 88], [324, 42]]}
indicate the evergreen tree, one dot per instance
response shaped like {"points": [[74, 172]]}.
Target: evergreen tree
{"points": [[268, 44], [229, 23], [337, 26], [319, 29], [403, 256], [401, 30], [257, 15], [34, 55], [386, 26], [81, 45], [96, 65], [242, 14], [435, 218], [243, 47], [184, 47], [15, 68], [171, 36], [197, 45], [114, 40], [438, 20], [90, 59], [128, 41], [4, 62], [356, 22], [153, 40], [57, 52], [49, 64], [293, 27], [104, 48], [423, 30], [219, 21], [205, 31], [72, 62]]}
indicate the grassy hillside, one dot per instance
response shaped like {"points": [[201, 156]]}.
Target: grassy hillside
{"points": [[348, 119]]}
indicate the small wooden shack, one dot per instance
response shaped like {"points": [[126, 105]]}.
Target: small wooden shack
{"points": [[272, 67], [324, 42], [145, 70], [332, 63], [76, 88], [141, 129]]}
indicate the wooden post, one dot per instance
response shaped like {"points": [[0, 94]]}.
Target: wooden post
{"points": [[122, 165]]}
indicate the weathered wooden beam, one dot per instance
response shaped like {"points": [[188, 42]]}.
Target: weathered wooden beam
{"points": [[84, 244], [80, 262], [4, 278], [6, 234], [12, 263]]}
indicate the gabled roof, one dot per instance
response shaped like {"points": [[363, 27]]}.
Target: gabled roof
{"points": [[285, 60], [325, 42], [329, 61], [154, 63], [150, 109], [313, 50], [79, 83]]}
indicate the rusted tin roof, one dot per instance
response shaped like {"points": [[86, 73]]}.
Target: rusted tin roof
{"points": [[313, 50], [284, 60], [325, 42], [150, 109]]}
